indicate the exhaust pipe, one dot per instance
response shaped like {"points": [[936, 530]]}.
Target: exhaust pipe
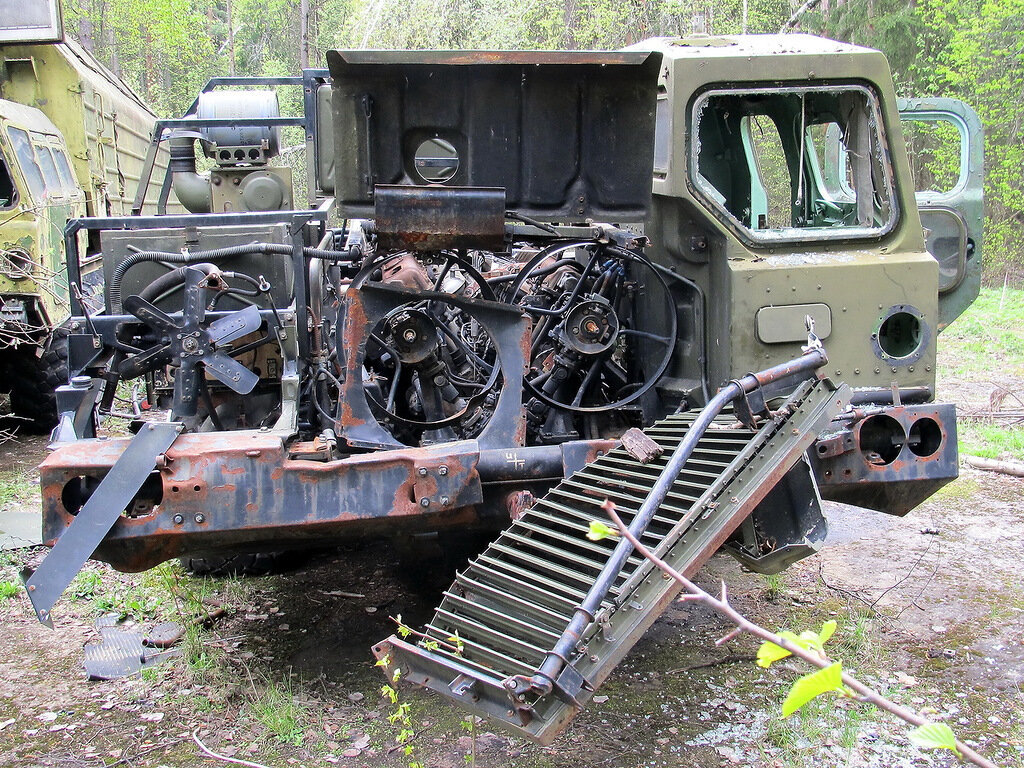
{"points": [[191, 188]]}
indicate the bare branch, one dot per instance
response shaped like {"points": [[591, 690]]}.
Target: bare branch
{"points": [[743, 624], [210, 753]]}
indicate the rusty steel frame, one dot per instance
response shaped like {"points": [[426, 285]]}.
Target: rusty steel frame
{"points": [[227, 490], [846, 472]]}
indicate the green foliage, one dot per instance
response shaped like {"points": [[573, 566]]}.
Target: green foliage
{"points": [[812, 685], [769, 653], [988, 335], [9, 589], [599, 531], [275, 708], [85, 586], [774, 585], [401, 714], [968, 49], [934, 736]]}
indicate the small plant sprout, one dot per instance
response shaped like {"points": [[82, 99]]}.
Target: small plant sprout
{"points": [[400, 716], [808, 646], [599, 531], [934, 736]]}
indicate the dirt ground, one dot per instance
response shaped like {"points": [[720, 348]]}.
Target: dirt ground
{"points": [[930, 608]]}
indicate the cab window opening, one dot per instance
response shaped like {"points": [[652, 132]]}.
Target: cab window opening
{"points": [[794, 163], [28, 163]]}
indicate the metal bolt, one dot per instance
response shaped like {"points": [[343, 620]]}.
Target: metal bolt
{"points": [[445, 501], [442, 470], [409, 335], [424, 502], [179, 519], [31, 587], [200, 518], [422, 471]]}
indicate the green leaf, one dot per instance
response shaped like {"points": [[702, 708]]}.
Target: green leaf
{"points": [[599, 531], [934, 736], [769, 653], [827, 630], [812, 685]]}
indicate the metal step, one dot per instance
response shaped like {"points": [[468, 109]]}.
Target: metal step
{"points": [[504, 613]]}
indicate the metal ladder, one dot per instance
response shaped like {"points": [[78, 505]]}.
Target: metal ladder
{"points": [[502, 616]]}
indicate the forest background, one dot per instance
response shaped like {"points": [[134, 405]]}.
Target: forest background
{"points": [[969, 49]]}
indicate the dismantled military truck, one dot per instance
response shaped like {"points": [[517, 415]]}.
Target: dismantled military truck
{"points": [[73, 137], [488, 318]]}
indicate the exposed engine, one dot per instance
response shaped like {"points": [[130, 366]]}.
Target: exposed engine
{"points": [[433, 357]]}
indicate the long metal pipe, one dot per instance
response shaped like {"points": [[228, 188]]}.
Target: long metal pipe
{"points": [[556, 659]]}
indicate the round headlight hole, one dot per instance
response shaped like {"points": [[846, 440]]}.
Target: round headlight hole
{"points": [[925, 437], [436, 161], [881, 439], [900, 334]]}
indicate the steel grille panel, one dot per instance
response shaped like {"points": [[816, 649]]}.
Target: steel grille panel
{"points": [[510, 605]]}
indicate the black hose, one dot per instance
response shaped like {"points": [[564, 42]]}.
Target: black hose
{"points": [[194, 257], [170, 280]]}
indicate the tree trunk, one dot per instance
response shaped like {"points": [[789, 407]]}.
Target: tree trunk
{"points": [[304, 34], [231, 41], [85, 34]]}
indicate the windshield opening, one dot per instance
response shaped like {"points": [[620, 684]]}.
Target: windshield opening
{"points": [[794, 163], [27, 161]]}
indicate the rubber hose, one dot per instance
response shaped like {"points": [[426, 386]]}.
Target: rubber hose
{"points": [[194, 257]]}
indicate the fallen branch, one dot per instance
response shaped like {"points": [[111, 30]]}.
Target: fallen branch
{"points": [[210, 753], [1013, 468], [744, 625], [730, 659]]}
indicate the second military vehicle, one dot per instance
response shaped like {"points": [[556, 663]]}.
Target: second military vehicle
{"points": [[73, 138]]}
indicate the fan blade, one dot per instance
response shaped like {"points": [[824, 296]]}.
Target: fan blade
{"points": [[149, 314], [186, 389], [231, 373], [235, 326]]}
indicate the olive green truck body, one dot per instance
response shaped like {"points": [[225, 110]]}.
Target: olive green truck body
{"points": [[73, 138]]}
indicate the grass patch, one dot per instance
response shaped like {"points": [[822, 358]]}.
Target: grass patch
{"points": [[774, 586], [16, 489], [987, 335], [9, 589], [144, 599], [992, 441], [275, 708]]}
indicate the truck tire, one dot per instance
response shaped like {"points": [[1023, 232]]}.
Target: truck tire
{"points": [[32, 381], [239, 564]]}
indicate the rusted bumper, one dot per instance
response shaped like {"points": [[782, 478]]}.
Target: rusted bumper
{"points": [[888, 458], [234, 490]]}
